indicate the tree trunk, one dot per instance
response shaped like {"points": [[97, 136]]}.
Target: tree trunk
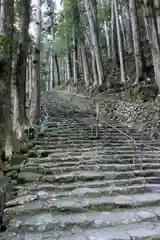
{"points": [[61, 66], [1, 18], [22, 60], [94, 69], [122, 26], [30, 76], [107, 35], [150, 14], [57, 70], [75, 59], [115, 55], [29, 84], [145, 24], [6, 129], [50, 72], [37, 60], [122, 67], [85, 66], [138, 52], [128, 27], [51, 5], [67, 70], [157, 6], [52, 69], [89, 6]]}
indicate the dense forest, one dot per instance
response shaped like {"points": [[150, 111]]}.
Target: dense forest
{"points": [[102, 44]]}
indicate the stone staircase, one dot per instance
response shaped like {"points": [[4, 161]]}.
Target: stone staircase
{"points": [[75, 187]]}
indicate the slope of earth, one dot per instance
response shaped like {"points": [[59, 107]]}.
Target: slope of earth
{"points": [[76, 186], [124, 107]]}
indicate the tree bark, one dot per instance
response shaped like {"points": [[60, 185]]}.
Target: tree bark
{"points": [[89, 6], [138, 52], [6, 128], [37, 61], [122, 26], [150, 14], [75, 59], [22, 60], [157, 8], [57, 70], [85, 66], [114, 40], [51, 5], [122, 66]]}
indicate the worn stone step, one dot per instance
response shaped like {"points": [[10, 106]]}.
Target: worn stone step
{"points": [[106, 164], [67, 129], [78, 126], [72, 184], [74, 136], [53, 152], [26, 195], [83, 204], [48, 221], [64, 132], [69, 149], [51, 168], [31, 187], [87, 141], [93, 159], [87, 147], [147, 230], [88, 175], [89, 192], [73, 145], [70, 125], [76, 142]]}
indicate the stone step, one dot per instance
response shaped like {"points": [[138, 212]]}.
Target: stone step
{"points": [[72, 125], [81, 125], [49, 221], [77, 187], [86, 141], [110, 136], [71, 161], [86, 176], [93, 143], [99, 149], [51, 168], [89, 192], [89, 184], [52, 142], [67, 129], [66, 166], [74, 135], [72, 145], [77, 152], [85, 147], [147, 230], [86, 129], [105, 141], [83, 204], [60, 144]]}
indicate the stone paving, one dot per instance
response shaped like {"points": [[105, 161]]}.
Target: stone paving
{"points": [[77, 187]]}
